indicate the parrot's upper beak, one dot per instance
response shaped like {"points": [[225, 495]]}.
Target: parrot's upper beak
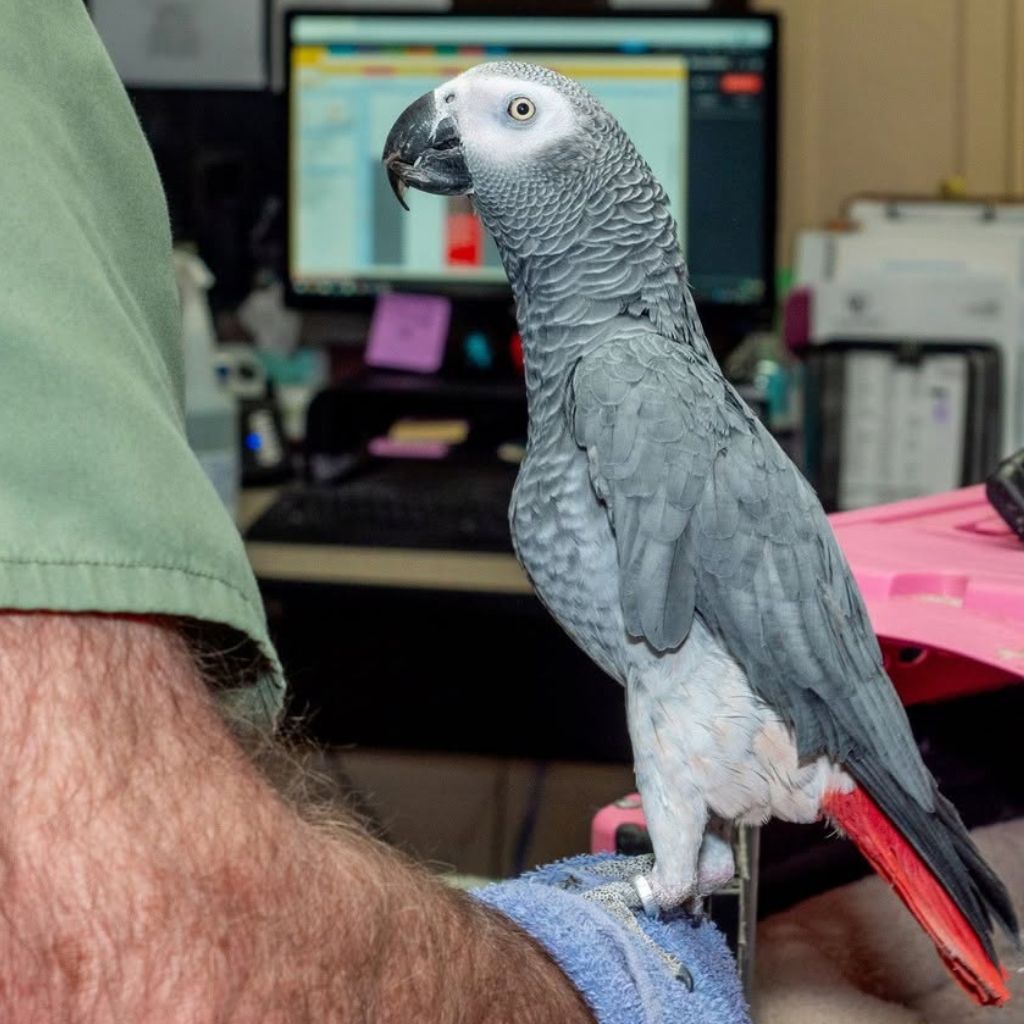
{"points": [[424, 150]]}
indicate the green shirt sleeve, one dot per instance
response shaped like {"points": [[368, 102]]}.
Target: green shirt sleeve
{"points": [[102, 505]]}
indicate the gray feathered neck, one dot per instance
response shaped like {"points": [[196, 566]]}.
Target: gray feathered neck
{"points": [[585, 234]]}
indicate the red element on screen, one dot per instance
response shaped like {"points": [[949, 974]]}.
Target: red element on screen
{"points": [[465, 239], [741, 83]]}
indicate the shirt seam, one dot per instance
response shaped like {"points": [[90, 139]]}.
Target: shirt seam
{"points": [[100, 564]]}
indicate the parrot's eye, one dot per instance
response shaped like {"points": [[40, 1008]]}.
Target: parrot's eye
{"points": [[521, 109]]}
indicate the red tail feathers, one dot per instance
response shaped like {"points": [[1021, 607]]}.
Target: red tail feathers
{"points": [[895, 860]]}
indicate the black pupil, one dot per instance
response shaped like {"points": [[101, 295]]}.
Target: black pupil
{"points": [[522, 108]]}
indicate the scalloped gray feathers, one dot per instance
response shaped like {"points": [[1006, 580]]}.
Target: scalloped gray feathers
{"points": [[709, 516], [586, 233]]}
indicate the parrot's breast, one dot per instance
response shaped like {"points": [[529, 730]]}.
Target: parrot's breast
{"points": [[564, 542]]}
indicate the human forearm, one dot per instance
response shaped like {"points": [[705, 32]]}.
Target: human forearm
{"points": [[148, 873]]}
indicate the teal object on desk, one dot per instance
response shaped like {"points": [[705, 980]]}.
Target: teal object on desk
{"points": [[477, 350]]}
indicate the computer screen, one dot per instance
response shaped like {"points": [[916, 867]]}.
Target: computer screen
{"points": [[696, 94]]}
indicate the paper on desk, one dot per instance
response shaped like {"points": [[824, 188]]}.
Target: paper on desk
{"points": [[184, 43], [409, 332], [903, 427], [414, 429]]}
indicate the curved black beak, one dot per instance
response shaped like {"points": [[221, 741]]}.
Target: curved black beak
{"points": [[423, 150]]}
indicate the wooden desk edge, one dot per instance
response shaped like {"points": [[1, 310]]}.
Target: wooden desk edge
{"points": [[410, 568]]}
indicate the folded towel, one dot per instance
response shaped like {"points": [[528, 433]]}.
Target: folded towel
{"points": [[617, 973]]}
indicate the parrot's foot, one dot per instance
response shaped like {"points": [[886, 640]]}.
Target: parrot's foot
{"points": [[716, 864], [621, 898], [716, 867]]}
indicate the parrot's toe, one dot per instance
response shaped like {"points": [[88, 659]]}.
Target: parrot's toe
{"points": [[696, 909], [716, 864], [622, 899], [660, 900]]}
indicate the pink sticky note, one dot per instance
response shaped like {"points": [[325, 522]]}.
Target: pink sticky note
{"points": [[385, 448], [409, 332]]}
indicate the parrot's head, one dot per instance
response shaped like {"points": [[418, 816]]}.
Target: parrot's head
{"points": [[583, 228], [510, 134]]}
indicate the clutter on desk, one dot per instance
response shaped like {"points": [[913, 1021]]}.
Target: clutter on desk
{"points": [[415, 438], [211, 413], [272, 326], [446, 431], [409, 332], [264, 447], [400, 459], [295, 378], [911, 327], [770, 379]]}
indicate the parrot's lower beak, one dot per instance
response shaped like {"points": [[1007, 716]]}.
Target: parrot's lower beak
{"points": [[424, 151]]}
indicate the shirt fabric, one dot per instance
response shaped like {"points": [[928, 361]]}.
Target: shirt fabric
{"points": [[103, 507]]}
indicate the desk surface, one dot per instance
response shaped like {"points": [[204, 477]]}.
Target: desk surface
{"points": [[411, 568]]}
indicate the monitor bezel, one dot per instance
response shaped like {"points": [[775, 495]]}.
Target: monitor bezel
{"points": [[755, 313]]}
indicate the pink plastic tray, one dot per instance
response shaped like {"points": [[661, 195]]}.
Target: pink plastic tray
{"points": [[943, 578]]}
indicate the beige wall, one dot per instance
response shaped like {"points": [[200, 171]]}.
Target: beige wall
{"points": [[895, 96], [464, 813]]}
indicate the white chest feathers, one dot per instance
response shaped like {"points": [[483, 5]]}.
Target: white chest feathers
{"points": [[703, 741]]}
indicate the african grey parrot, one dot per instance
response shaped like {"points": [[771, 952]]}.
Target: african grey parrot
{"points": [[668, 534]]}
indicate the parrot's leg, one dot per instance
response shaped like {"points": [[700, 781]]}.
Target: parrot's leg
{"points": [[674, 806], [691, 745], [679, 881], [716, 867]]}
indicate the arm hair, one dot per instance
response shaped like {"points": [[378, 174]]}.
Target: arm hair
{"points": [[149, 873]]}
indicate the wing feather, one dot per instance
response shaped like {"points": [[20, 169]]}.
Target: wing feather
{"points": [[712, 519]]}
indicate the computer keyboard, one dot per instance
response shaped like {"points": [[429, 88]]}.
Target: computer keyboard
{"points": [[457, 505]]}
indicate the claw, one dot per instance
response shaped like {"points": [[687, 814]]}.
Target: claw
{"points": [[696, 911], [684, 977]]}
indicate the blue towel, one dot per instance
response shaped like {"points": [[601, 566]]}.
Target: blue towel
{"points": [[619, 976]]}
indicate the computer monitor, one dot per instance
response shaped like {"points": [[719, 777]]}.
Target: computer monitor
{"points": [[696, 93]]}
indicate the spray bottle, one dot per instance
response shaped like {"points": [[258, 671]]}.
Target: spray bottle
{"points": [[211, 416]]}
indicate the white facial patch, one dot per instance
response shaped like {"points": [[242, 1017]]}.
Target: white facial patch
{"points": [[480, 104]]}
